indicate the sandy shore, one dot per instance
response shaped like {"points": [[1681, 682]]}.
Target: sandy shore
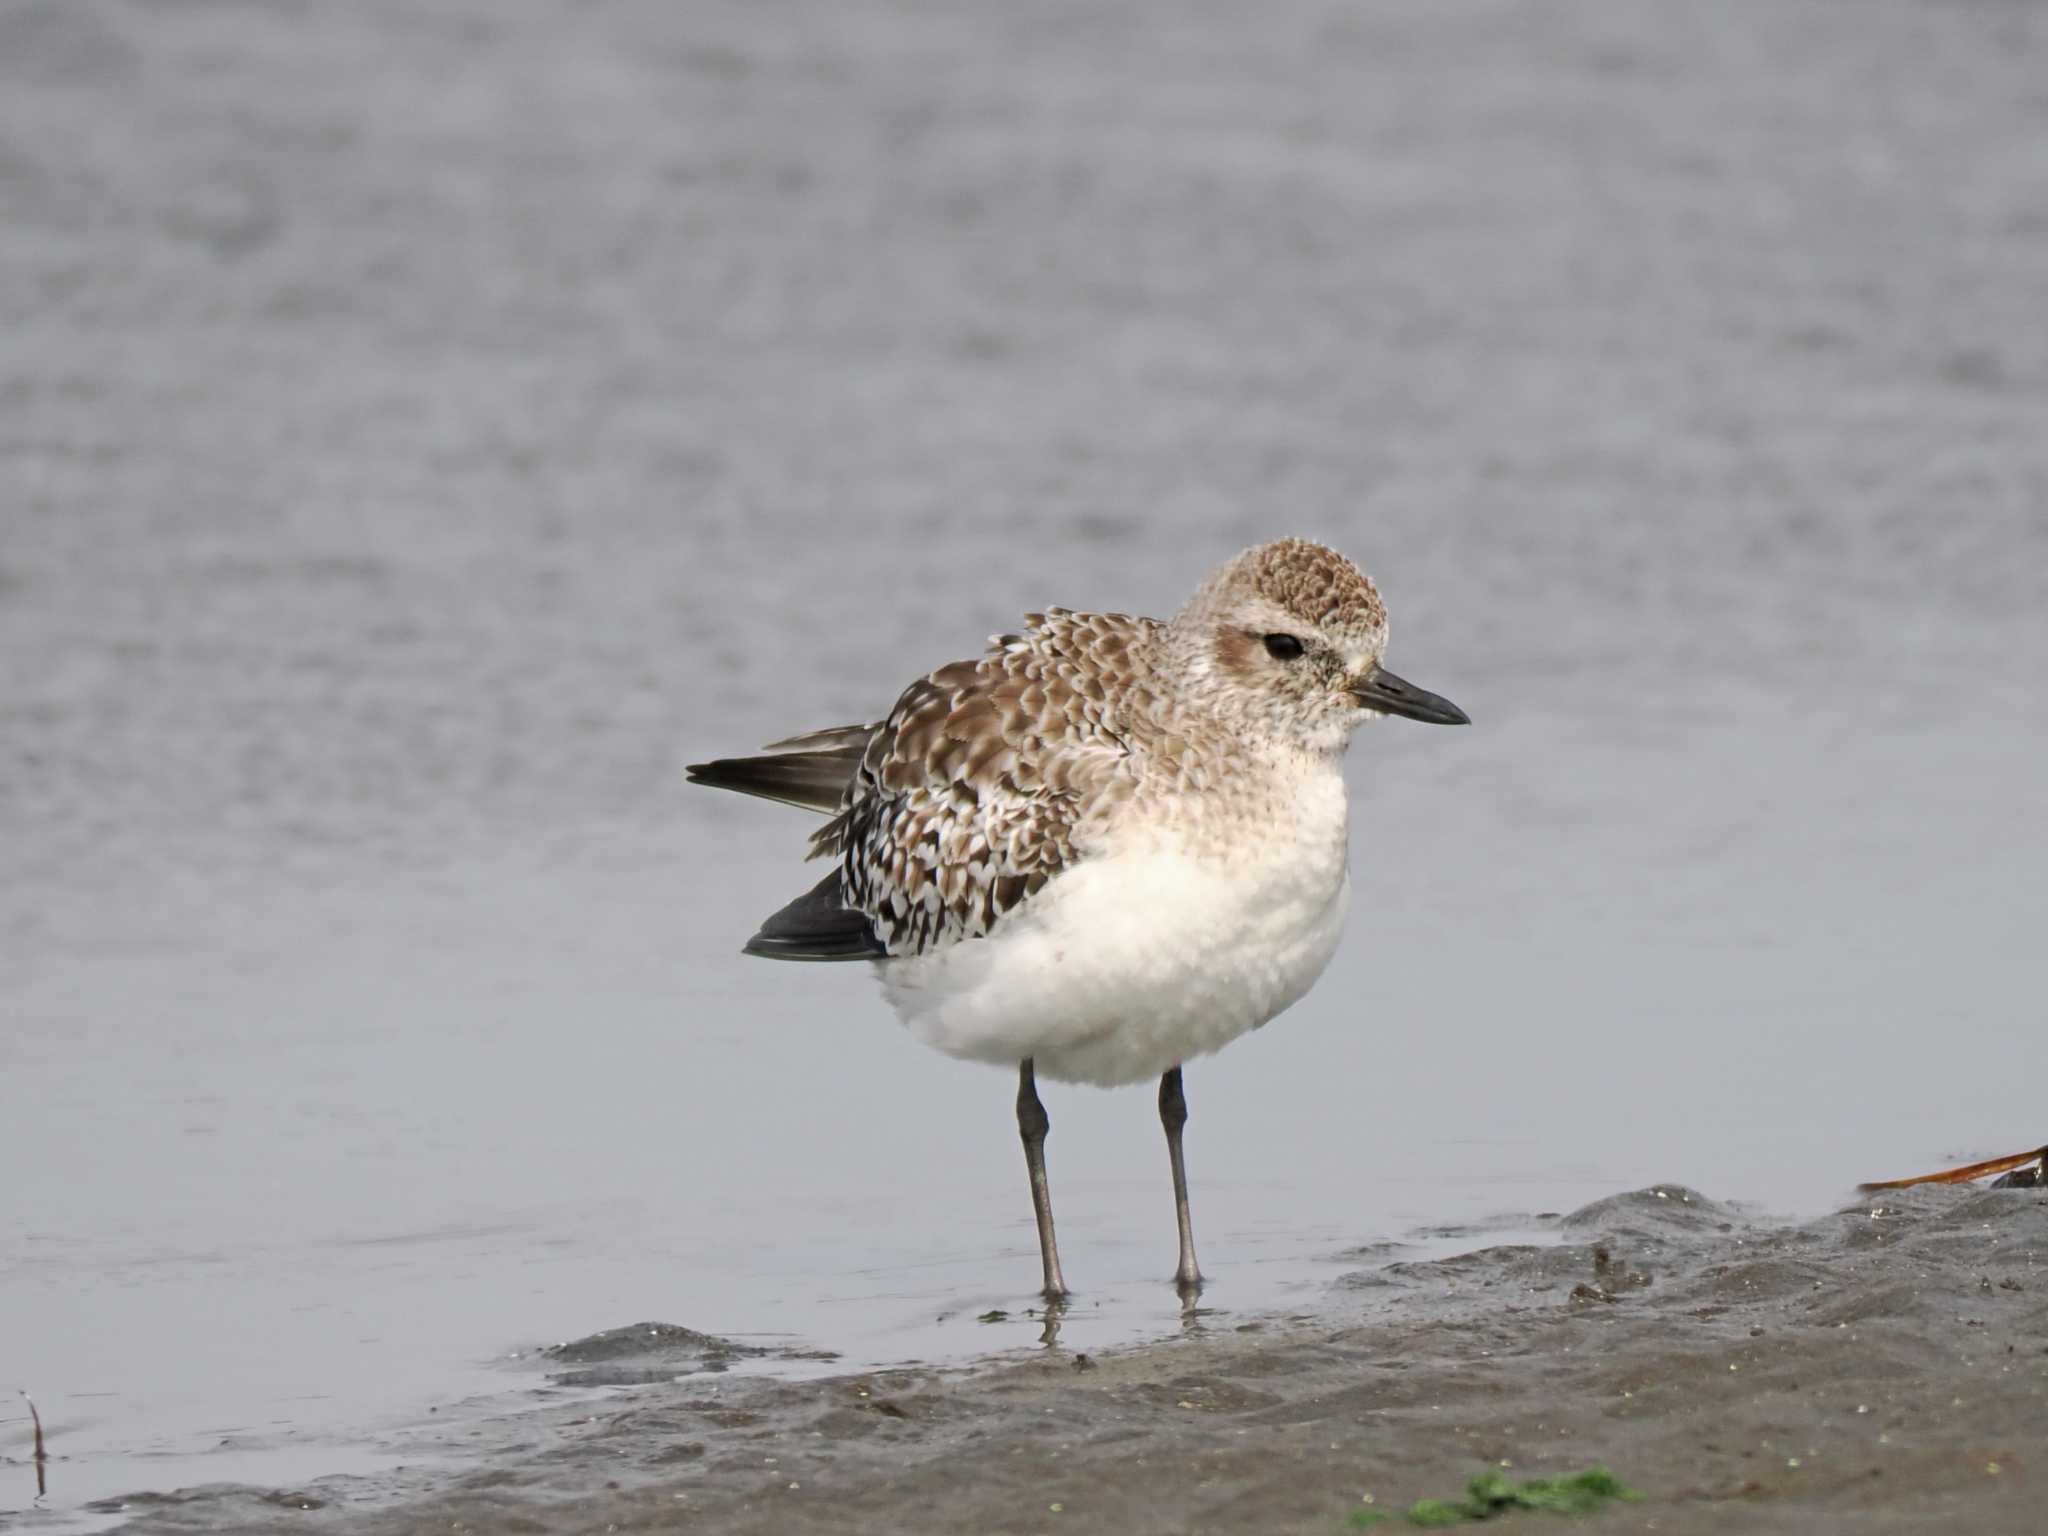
{"points": [[1884, 1368]]}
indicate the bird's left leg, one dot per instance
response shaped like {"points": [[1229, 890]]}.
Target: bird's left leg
{"points": [[1173, 1114]]}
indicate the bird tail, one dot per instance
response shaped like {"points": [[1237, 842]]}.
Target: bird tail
{"points": [[810, 772]]}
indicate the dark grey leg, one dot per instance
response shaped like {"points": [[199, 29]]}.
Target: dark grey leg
{"points": [[1032, 1125], [1173, 1114]]}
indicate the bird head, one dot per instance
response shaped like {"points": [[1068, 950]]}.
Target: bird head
{"points": [[1286, 639]]}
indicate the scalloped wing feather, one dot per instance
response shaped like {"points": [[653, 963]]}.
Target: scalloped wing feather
{"points": [[981, 785]]}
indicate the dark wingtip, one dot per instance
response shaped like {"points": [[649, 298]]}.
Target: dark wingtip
{"points": [[816, 926], [763, 946]]}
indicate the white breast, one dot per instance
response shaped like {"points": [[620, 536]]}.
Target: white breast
{"points": [[1170, 941]]}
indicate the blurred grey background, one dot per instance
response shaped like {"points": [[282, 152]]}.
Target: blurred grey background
{"points": [[424, 427]]}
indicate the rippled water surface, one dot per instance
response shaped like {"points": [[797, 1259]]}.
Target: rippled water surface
{"points": [[423, 429]]}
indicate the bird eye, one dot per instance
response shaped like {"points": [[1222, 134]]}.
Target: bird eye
{"points": [[1284, 647]]}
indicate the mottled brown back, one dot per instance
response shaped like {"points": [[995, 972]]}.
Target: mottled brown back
{"points": [[969, 796]]}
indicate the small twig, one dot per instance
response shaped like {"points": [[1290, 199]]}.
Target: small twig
{"points": [[42, 1456], [1964, 1175]]}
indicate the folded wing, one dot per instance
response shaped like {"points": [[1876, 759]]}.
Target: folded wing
{"points": [[963, 803]]}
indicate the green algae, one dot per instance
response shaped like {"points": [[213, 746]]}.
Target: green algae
{"points": [[1491, 1495]]}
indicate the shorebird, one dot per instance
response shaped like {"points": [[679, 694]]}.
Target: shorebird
{"points": [[1108, 845]]}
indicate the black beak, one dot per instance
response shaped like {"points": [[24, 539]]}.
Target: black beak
{"points": [[1390, 695]]}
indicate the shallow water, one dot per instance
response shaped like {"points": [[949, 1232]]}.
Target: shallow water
{"points": [[426, 431]]}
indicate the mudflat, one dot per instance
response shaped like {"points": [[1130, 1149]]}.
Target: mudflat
{"points": [[1884, 1368]]}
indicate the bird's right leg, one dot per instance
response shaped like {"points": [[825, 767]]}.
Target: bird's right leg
{"points": [[1173, 1114], [1032, 1125]]}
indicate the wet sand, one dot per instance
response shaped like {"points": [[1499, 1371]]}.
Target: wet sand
{"points": [[1884, 1368]]}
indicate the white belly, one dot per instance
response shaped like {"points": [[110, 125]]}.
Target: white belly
{"points": [[1126, 966]]}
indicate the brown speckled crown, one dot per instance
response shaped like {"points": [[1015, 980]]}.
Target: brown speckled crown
{"points": [[1308, 580]]}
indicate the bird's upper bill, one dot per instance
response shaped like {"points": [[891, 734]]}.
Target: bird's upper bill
{"points": [[1379, 690]]}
